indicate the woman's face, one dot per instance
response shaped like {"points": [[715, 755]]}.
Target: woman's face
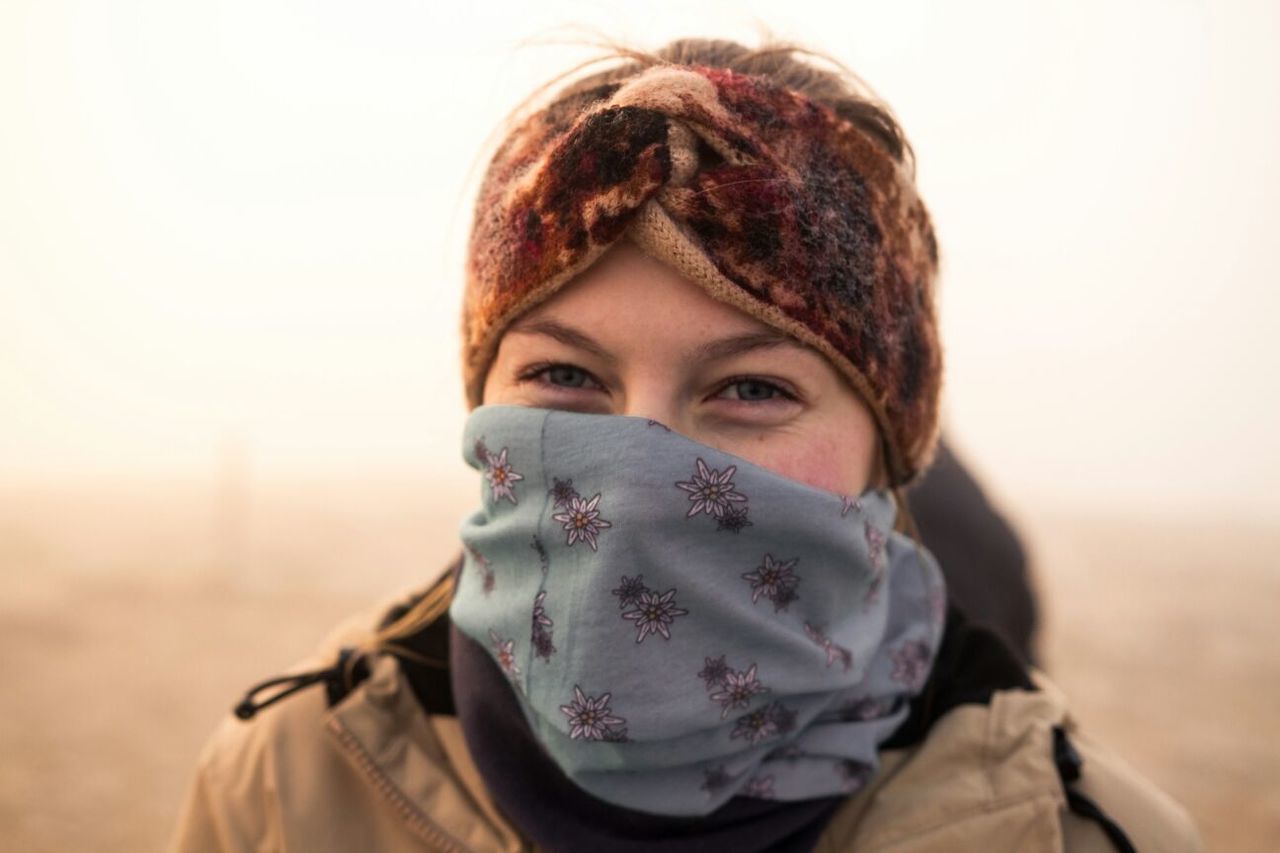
{"points": [[632, 336]]}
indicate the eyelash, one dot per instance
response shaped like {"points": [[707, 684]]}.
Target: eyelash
{"points": [[780, 391], [538, 372]]}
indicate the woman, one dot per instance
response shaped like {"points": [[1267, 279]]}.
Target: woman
{"points": [[701, 347]]}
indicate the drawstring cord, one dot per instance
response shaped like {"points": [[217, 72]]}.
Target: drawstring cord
{"points": [[338, 680], [1069, 762]]}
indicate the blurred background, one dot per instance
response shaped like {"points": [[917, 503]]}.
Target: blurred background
{"points": [[231, 242]]}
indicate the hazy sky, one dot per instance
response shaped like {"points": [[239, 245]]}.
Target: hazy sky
{"points": [[242, 222]]}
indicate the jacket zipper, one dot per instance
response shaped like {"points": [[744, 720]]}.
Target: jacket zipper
{"points": [[419, 822]]}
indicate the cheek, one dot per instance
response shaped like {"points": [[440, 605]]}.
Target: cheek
{"points": [[824, 463]]}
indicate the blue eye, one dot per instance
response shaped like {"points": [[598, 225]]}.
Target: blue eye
{"points": [[755, 393], [753, 390], [566, 376]]}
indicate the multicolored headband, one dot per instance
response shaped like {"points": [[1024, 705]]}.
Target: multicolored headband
{"points": [[769, 201]]}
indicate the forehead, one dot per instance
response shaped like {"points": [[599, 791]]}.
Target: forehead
{"points": [[627, 292]]}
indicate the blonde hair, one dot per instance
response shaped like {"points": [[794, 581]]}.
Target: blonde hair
{"points": [[842, 91]]}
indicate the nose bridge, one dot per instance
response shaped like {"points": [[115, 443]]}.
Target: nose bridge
{"points": [[655, 394]]}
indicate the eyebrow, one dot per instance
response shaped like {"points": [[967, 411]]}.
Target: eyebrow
{"points": [[565, 335], [716, 350], [741, 344]]}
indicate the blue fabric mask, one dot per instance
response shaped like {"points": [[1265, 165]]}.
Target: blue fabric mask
{"points": [[682, 626]]}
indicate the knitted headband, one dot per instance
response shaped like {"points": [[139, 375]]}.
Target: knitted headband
{"points": [[770, 202]]}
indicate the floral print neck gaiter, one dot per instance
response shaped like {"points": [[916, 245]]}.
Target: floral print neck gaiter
{"points": [[682, 626]]}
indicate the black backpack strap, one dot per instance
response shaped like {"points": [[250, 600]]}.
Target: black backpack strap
{"points": [[1069, 762]]}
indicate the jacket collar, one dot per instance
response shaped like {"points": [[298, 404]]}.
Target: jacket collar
{"points": [[979, 759], [415, 761], [979, 700]]}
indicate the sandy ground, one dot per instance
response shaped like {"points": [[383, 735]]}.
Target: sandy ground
{"points": [[131, 623], [1167, 639]]}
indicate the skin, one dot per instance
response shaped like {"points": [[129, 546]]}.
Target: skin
{"points": [[632, 336]]}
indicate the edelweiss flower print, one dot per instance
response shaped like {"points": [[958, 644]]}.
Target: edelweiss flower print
{"points": [[714, 671], [911, 663], [875, 547], [540, 633], [833, 652], [591, 719], [681, 626], [504, 651], [562, 492], [582, 521], [853, 775], [733, 520], [767, 722], [775, 580], [737, 690], [629, 591], [486, 572], [715, 779], [760, 787], [654, 613], [866, 708], [713, 492], [501, 476]]}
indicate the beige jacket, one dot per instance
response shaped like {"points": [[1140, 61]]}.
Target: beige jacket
{"points": [[374, 773]]}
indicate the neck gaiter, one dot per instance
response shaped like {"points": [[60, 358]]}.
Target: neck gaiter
{"points": [[682, 626]]}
